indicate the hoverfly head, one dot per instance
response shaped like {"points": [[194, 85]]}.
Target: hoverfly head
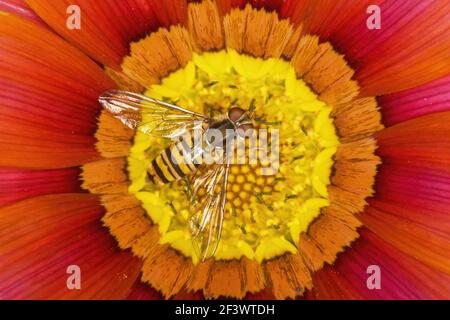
{"points": [[241, 120]]}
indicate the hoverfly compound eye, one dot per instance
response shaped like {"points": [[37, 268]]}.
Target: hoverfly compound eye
{"points": [[234, 114], [244, 130], [241, 120]]}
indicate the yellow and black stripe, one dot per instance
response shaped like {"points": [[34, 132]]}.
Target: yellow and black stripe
{"points": [[171, 165]]}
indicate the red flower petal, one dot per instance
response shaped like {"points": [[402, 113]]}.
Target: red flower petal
{"points": [[402, 277], [16, 184], [421, 195], [423, 141], [143, 291], [274, 5], [409, 104], [430, 247], [226, 6], [42, 236], [410, 49], [183, 295], [413, 189], [48, 98], [20, 8], [169, 12], [325, 18], [107, 27], [411, 212], [265, 294], [408, 185]]}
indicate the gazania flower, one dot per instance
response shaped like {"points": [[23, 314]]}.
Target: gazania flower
{"points": [[364, 172]]}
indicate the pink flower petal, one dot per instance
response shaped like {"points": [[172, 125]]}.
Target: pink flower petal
{"points": [[413, 103], [409, 50], [423, 142]]}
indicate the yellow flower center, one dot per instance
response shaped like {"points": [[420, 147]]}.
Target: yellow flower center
{"points": [[265, 214]]}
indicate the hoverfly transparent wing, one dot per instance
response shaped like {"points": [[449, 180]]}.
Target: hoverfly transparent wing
{"points": [[150, 115], [207, 211]]}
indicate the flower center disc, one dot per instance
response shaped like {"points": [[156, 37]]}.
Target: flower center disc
{"points": [[265, 214]]}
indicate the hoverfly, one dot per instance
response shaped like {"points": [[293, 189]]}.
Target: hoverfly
{"points": [[162, 119]]}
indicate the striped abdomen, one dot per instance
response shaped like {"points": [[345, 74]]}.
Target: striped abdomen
{"points": [[170, 165]]}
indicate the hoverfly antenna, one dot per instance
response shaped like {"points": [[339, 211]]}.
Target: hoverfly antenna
{"points": [[252, 107]]}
